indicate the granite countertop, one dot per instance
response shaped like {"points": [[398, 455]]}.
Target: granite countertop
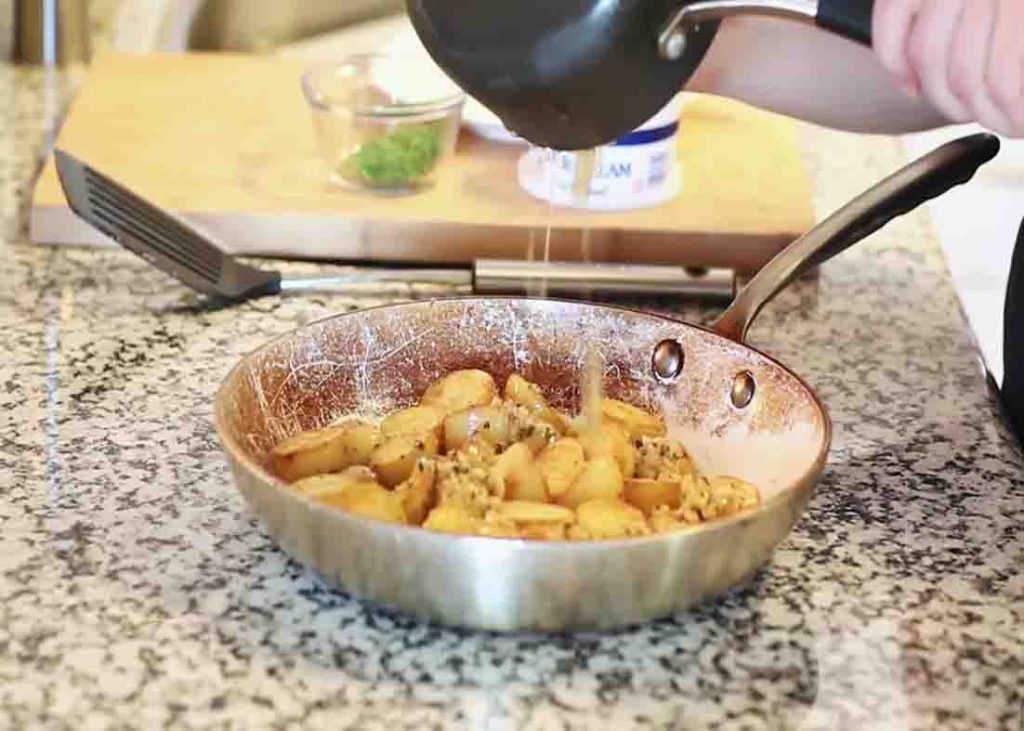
{"points": [[136, 590]]}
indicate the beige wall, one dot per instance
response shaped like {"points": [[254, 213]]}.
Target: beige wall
{"points": [[6, 32], [250, 25], [102, 17], [260, 25]]}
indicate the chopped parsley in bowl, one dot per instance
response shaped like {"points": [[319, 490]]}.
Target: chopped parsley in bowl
{"points": [[383, 124]]}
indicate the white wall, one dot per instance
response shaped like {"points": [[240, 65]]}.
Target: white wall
{"points": [[977, 225]]}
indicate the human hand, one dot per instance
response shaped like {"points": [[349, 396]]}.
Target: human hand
{"points": [[966, 57]]}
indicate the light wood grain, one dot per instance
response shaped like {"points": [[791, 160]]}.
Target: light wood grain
{"points": [[227, 141]]}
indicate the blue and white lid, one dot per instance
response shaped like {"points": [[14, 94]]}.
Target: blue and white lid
{"points": [[639, 170]]}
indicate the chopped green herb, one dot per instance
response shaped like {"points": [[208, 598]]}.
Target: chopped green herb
{"points": [[397, 158]]}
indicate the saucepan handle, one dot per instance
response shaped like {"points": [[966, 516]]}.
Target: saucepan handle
{"points": [[848, 18], [851, 19], [948, 166]]}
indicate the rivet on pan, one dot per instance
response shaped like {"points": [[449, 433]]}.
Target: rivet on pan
{"points": [[674, 45], [743, 389], [668, 360]]}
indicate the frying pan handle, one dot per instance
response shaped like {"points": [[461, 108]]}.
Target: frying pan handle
{"points": [[948, 166]]}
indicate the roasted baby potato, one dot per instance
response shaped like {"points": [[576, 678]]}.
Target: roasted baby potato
{"points": [[520, 391], [535, 433], [526, 482], [413, 422], [359, 473], [452, 518], [477, 452], [543, 531], [601, 478], [464, 461], [370, 501], [649, 495], [610, 440], [609, 518], [322, 486], [637, 422], [487, 423], [417, 493], [523, 393], [561, 464], [495, 525], [459, 391], [536, 521], [394, 460], [321, 451], [515, 476], [521, 511]]}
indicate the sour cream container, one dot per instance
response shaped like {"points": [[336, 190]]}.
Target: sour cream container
{"points": [[639, 170]]}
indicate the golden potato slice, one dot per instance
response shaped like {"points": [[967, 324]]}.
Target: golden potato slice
{"points": [[319, 486], [460, 390], [360, 440], [477, 453], [370, 501], [486, 423], [542, 531], [537, 435], [526, 482], [417, 493], [414, 421], [610, 440], [504, 464], [515, 476], [528, 395], [394, 460], [637, 422], [601, 478], [575, 533], [496, 526], [322, 451], [522, 511], [648, 495], [452, 518], [520, 391], [305, 441], [561, 464], [607, 518], [360, 473]]}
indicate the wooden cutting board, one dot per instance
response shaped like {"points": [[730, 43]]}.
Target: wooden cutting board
{"points": [[227, 141]]}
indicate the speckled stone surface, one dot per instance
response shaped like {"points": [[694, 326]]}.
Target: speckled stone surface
{"points": [[136, 591]]}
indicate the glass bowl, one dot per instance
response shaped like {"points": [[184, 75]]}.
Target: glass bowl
{"points": [[383, 123]]}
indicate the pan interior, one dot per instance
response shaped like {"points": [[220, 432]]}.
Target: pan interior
{"points": [[374, 361]]}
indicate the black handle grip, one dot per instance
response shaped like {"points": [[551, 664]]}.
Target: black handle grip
{"points": [[932, 175], [950, 165], [1012, 389], [849, 18]]}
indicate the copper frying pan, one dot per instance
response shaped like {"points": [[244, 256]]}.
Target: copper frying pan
{"points": [[737, 410]]}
